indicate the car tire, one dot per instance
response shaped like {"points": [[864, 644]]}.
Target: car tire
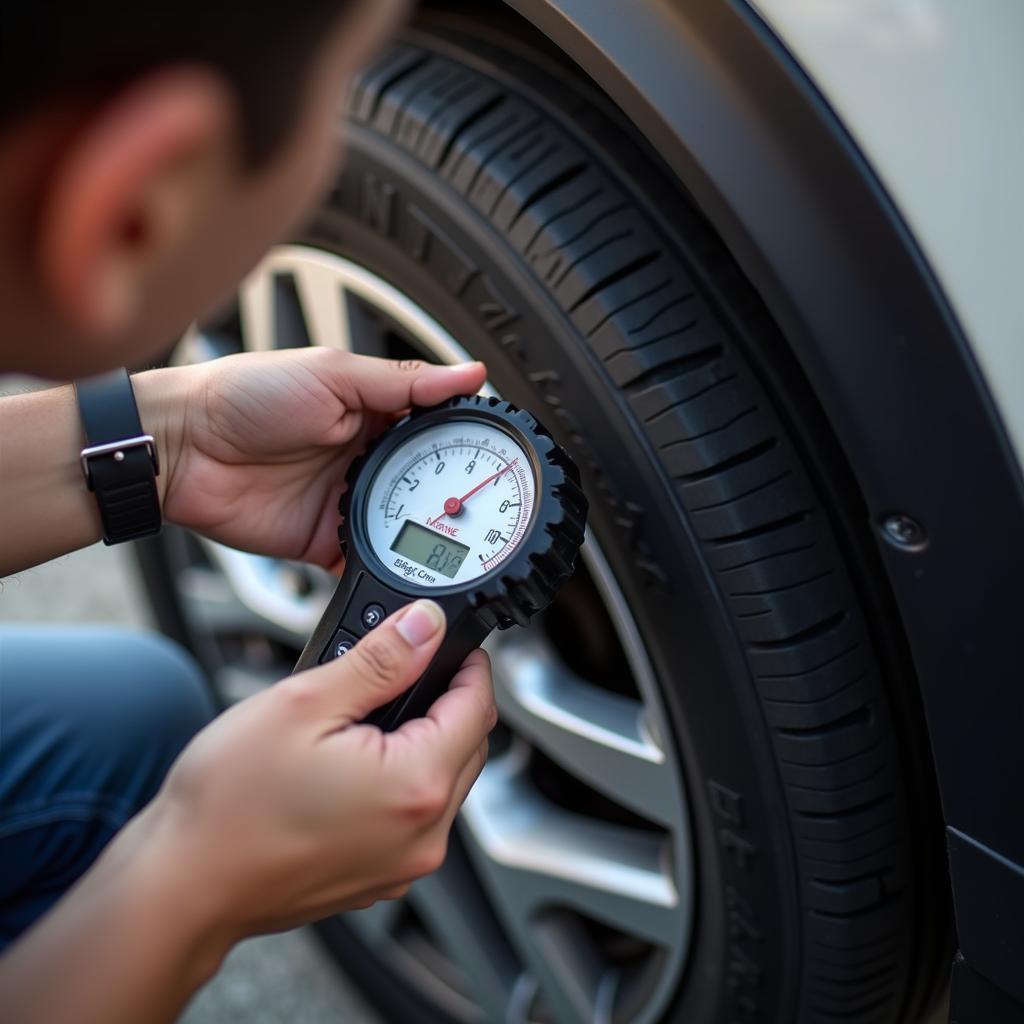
{"points": [[510, 200]]}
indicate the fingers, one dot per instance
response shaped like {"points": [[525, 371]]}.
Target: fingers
{"points": [[387, 385], [380, 667], [457, 723]]}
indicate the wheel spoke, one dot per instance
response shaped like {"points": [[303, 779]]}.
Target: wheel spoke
{"points": [[377, 924], [594, 734], [324, 305], [256, 310], [213, 607], [236, 682], [540, 863], [195, 347], [261, 585], [451, 905], [577, 985], [541, 856]]}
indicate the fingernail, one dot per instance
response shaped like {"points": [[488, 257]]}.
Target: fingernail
{"points": [[420, 623]]}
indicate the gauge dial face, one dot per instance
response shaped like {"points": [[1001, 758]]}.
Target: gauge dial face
{"points": [[450, 503]]}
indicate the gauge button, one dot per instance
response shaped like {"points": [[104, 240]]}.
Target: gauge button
{"points": [[369, 606], [373, 615], [341, 643]]}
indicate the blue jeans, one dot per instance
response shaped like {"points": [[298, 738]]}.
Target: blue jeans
{"points": [[90, 721]]}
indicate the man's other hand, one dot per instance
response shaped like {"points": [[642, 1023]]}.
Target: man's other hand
{"points": [[285, 809]]}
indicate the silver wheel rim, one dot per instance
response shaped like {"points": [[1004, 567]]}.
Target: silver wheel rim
{"points": [[517, 925]]}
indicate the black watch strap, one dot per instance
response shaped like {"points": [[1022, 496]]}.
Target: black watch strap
{"points": [[119, 460]]}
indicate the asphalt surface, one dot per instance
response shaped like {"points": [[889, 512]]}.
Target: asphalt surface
{"points": [[271, 980]]}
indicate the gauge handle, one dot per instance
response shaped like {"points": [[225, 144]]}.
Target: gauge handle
{"points": [[463, 635], [358, 605]]}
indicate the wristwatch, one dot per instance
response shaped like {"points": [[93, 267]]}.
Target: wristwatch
{"points": [[119, 461]]}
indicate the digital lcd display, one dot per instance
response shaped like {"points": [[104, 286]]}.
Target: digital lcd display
{"points": [[430, 549]]}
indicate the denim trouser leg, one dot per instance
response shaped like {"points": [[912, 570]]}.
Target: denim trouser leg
{"points": [[90, 721]]}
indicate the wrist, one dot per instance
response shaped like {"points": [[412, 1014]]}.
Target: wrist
{"points": [[163, 397], [166, 891]]}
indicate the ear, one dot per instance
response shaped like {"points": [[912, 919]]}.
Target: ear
{"points": [[124, 190]]}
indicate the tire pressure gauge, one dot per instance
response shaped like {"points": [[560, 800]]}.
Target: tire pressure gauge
{"points": [[470, 503]]}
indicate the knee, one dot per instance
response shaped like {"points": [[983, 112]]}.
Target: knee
{"points": [[109, 708], [164, 692], [137, 696], [155, 700]]}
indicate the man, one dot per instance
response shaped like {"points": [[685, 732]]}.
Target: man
{"points": [[147, 157]]}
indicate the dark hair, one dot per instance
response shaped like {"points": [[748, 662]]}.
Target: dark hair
{"points": [[263, 49]]}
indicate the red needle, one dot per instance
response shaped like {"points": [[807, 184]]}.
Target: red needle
{"points": [[453, 506]]}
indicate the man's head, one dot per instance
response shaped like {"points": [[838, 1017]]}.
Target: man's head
{"points": [[148, 156]]}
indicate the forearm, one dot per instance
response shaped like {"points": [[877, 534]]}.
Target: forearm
{"points": [[130, 942], [45, 508]]}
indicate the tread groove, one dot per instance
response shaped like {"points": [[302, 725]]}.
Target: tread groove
{"points": [[795, 519], [568, 175], [689, 325], [739, 459], [677, 301], [389, 83], [859, 716], [631, 302], [506, 122], [853, 860], [833, 622], [653, 341], [861, 752], [768, 558], [565, 212], [562, 246], [848, 837], [814, 668], [744, 494], [672, 368], [849, 812], [460, 90], [519, 174], [781, 590], [713, 430], [603, 244], [503, 145], [838, 789], [817, 700], [464, 125], [633, 267]]}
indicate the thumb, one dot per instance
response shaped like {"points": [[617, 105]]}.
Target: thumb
{"points": [[384, 664]]}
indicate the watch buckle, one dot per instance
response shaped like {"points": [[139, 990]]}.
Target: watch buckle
{"points": [[117, 449]]}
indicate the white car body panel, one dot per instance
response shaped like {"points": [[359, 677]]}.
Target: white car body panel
{"points": [[932, 93]]}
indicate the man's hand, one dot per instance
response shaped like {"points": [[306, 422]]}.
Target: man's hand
{"points": [[257, 446], [253, 448], [282, 811], [289, 811]]}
